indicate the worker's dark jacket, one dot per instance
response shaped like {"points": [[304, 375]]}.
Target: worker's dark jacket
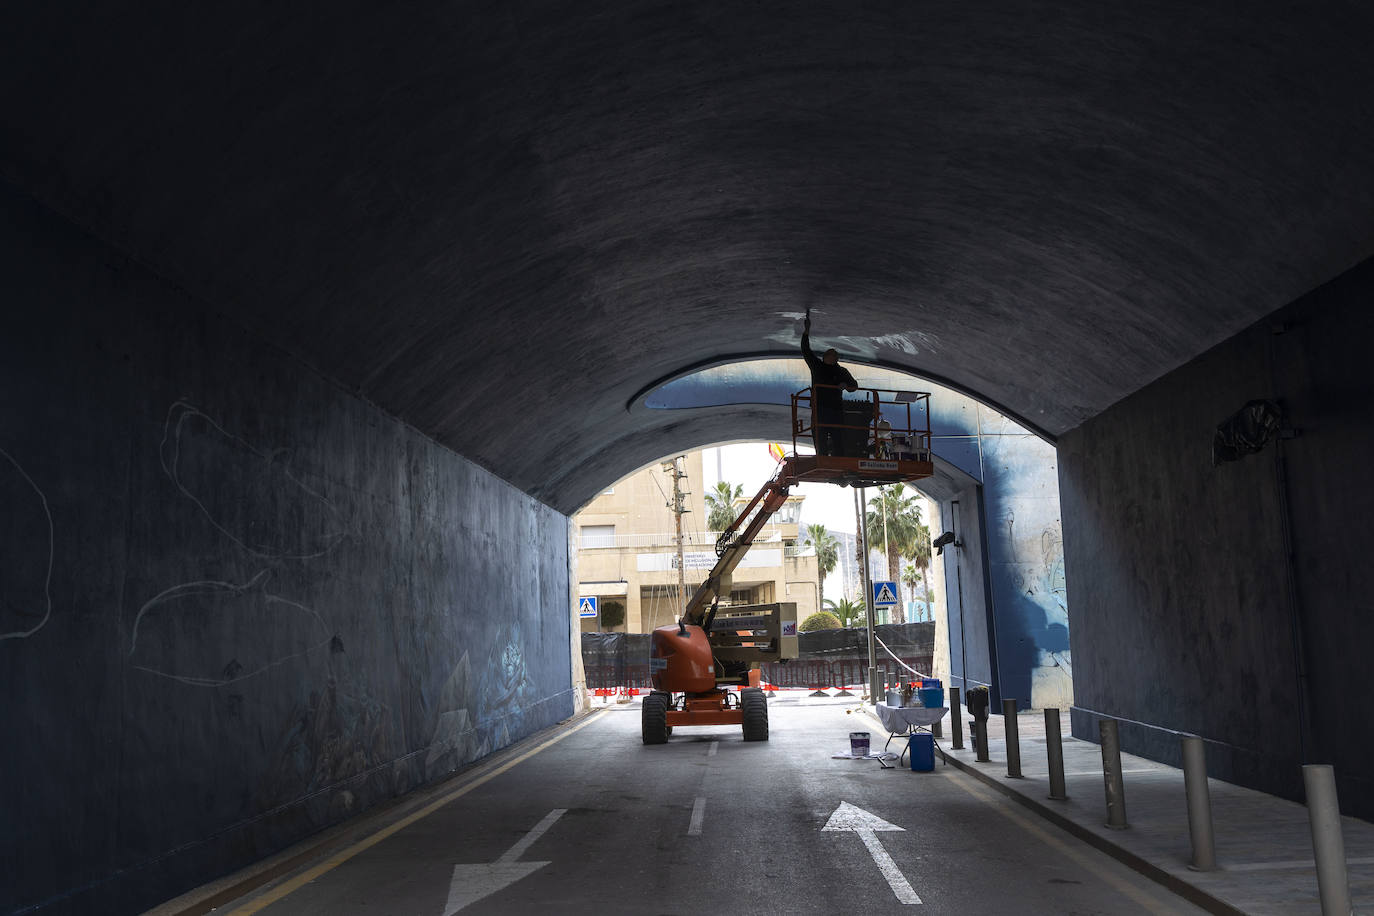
{"points": [[827, 399]]}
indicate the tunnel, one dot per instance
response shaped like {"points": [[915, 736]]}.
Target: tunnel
{"points": [[319, 324]]}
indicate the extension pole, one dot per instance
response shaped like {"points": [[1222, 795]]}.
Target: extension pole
{"points": [[860, 495], [1054, 751], [1328, 845], [1111, 774], [1199, 804], [1013, 739]]}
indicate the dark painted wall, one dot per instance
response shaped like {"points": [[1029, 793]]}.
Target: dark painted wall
{"points": [[1183, 617], [237, 604]]}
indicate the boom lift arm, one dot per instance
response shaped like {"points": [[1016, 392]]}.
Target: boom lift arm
{"points": [[735, 541]]}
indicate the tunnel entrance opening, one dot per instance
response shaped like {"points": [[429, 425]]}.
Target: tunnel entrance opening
{"points": [[706, 668], [996, 611]]}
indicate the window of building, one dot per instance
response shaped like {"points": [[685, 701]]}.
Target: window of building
{"points": [[597, 536]]}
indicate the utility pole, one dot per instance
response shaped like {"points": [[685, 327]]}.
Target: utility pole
{"points": [[674, 468], [861, 502], [882, 501]]}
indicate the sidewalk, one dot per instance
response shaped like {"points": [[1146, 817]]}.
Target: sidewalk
{"points": [[1263, 843]]}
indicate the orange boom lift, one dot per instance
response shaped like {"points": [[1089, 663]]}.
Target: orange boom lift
{"points": [[885, 439]]}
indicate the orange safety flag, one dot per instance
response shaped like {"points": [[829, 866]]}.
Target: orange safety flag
{"points": [[777, 451]]}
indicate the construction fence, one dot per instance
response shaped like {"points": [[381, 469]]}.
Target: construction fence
{"points": [[826, 658]]}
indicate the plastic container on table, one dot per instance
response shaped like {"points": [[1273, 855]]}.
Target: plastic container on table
{"points": [[932, 697]]}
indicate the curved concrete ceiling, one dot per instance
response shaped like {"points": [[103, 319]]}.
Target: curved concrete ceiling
{"points": [[501, 221]]}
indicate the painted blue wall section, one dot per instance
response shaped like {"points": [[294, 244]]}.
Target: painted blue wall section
{"points": [[237, 604], [1011, 622], [1026, 565]]}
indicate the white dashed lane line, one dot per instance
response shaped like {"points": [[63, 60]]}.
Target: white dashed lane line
{"points": [[698, 815]]}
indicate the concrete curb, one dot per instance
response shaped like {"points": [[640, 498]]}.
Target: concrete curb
{"points": [[1189, 892]]}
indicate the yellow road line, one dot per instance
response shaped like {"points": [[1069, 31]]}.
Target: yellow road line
{"points": [[305, 877], [966, 783]]}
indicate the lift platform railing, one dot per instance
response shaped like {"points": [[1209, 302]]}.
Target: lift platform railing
{"points": [[893, 453], [859, 429]]}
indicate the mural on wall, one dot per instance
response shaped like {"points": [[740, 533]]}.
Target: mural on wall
{"points": [[454, 740], [209, 633], [505, 708], [462, 733], [26, 566], [270, 512], [1038, 567], [333, 742]]}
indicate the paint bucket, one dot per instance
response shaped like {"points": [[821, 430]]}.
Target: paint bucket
{"points": [[858, 744], [932, 697], [921, 746]]}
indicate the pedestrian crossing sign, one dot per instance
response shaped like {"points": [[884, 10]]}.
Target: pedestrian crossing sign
{"points": [[587, 606], [884, 592]]}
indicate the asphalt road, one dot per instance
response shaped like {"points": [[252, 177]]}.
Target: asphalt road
{"points": [[710, 824]]}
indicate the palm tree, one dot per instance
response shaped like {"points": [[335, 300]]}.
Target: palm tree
{"points": [[720, 505], [827, 556], [917, 550], [910, 576], [848, 611], [894, 520]]}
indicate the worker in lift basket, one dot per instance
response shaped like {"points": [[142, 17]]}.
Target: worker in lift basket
{"points": [[827, 378]]}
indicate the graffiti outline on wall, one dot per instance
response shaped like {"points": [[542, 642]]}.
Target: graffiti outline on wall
{"points": [[1052, 560], [196, 606], [24, 633], [186, 428]]}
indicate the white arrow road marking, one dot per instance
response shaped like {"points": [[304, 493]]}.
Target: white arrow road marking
{"points": [[850, 817], [471, 883]]}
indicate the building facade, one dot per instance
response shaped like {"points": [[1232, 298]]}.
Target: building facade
{"points": [[628, 550]]}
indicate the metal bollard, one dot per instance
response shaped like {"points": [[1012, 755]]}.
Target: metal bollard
{"points": [[1054, 750], [1328, 844], [980, 740], [1199, 804], [936, 730], [956, 724], [1111, 774], [1013, 739]]}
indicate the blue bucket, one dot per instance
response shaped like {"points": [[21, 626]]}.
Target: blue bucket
{"points": [[921, 746], [932, 697]]}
